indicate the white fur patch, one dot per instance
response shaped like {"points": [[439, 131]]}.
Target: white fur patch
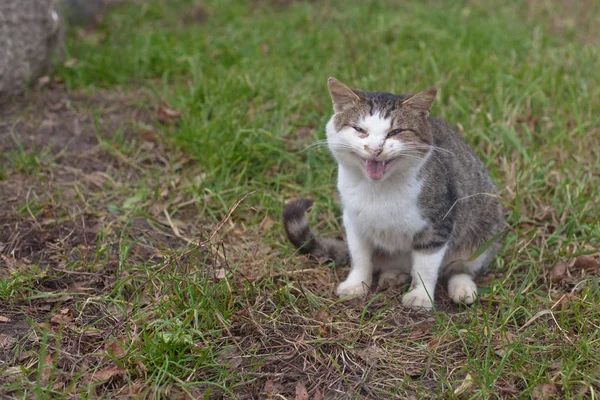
{"points": [[424, 274], [462, 289], [377, 128], [386, 213]]}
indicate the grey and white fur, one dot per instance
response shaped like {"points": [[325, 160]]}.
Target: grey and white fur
{"points": [[417, 202]]}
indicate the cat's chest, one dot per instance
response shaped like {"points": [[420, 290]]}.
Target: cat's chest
{"points": [[388, 215]]}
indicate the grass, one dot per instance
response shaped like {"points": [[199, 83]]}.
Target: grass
{"points": [[153, 263]]}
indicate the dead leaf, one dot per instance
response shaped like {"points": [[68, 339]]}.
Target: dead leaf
{"points": [[371, 354], [47, 368], [271, 387], [167, 115], [220, 273], [43, 325], [414, 370], [416, 334], [545, 391], [266, 223], [318, 395], [264, 48], [557, 273], [6, 341], [301, 392], [115, 348], [148, 136], [507, 390], [58, 299], [465, 385], [70, 63], [24, 355], [64, 316], [44, 81], [12, 263], [274, 170], [324, 331], [4, 319], [587, 263], [232, 357], [106, 373], [433, 342]]}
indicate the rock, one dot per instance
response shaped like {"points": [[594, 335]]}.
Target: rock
{"points": [[30, 35]]}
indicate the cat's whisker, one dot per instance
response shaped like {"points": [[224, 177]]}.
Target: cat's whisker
{"points": [[426, 147], [319, 144]]}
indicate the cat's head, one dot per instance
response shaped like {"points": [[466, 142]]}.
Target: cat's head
{"points": [[379, 133]]}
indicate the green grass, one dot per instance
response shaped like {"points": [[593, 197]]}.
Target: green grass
{"points": [[248, 80]]}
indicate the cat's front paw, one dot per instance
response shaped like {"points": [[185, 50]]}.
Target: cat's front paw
{"points": [[352, 288], [462, 289], [417, 298]]}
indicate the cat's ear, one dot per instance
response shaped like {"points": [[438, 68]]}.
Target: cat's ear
{"points": [[341, 95], [421, 101]]}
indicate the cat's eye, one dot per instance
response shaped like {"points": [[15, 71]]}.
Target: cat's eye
{"points": [[395, 132], [359, 129]]}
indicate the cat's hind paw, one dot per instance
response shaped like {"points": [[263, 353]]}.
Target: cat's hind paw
{"points": [[462, 289], [417, 298], [352, 288]]}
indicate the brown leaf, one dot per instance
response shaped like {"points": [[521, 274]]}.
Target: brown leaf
{"points": [[557, 273], [266, 223], [167, 115], [44, 81], [47, 368], [318, 395], [43, 326], [433, 343], [588, 263], [148, 136], [4, 319], [232, 357], [545, 391], [106, 373], [220, 273], [6, 341], [507, 390], [115, 348], [64, 316], [301, 392], [271, 387]]}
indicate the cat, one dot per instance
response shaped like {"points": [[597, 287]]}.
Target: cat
{"points": [[417, 202]]}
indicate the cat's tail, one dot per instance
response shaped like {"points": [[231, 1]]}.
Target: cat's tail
{"points": [[301, 236]]}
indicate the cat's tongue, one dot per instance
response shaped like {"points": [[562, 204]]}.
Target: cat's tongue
{"points": [[375, 169]]}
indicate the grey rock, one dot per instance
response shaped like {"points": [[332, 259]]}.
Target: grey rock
{"points": [[30, 35]]}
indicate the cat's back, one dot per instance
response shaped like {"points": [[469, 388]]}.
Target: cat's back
{"points": [[458, 189], [454, 159]]}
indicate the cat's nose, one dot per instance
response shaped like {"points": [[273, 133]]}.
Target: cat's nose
{"points": [[374, 152]]}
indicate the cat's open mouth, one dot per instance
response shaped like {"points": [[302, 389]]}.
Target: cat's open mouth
{"points": [[376, 169]]}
